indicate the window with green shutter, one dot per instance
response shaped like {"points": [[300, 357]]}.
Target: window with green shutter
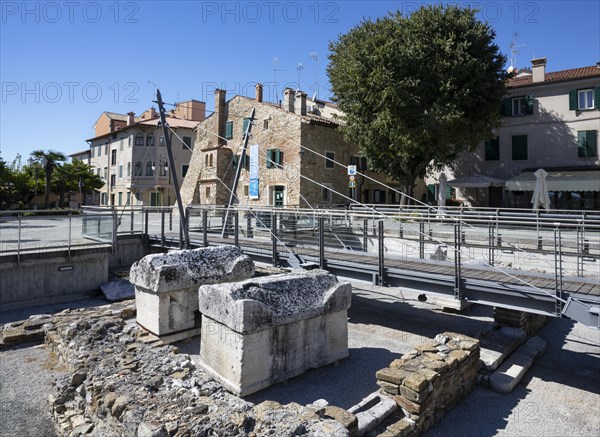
{"points": [[492, 149], [587, 144], [522, 105], [229, 130], [234, 161], [245, 125], [519, 147], [274, 158], [584, 99]]}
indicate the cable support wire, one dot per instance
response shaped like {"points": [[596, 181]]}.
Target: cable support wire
{"points": [[436, 209], [393, 219]]}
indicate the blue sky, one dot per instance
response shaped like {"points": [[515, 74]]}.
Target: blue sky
{"points": [[63, 63]]}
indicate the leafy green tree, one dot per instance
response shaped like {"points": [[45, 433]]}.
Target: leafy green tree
{"points": [[67, 177], [15, 186], [49, 160], [417, 90]]}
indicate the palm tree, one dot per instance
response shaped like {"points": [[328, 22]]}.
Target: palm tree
{"points": [[49, 159]]}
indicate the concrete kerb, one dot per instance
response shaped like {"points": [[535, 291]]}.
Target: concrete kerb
{"points": [[510, 373]]}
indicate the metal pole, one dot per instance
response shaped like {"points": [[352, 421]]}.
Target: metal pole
{"points": [[145, 216], [187, 224], [491, 240], [381, 254], [422, 239], [236, 227], [557, 271], [249, 226], [162, 227], [366, 235], [275, 261], [19, 240], [165, 128], [69, 243], [205, 228], [457, 272], [115, 225], [322, 262], [238, 169]]}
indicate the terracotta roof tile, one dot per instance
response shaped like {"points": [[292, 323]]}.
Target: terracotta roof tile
{"points": [[553, 76]]}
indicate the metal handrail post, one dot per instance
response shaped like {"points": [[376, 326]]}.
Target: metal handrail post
{"points": [[381, 254], [274, 258], [558, 270], [491, 239], [205, 228], [19, 240], [322, 262], [421, 239], [115, 227], [457, 262], [365, 235], [162, 228], [236, 228], [69, 242], [145, 217], [131, 227], [187, 225]]}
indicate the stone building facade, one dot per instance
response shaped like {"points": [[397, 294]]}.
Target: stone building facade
{"points": [[290, 173]]}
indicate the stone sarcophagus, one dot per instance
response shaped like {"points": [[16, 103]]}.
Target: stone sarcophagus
{"points": [[166, 285], [265, 330]]}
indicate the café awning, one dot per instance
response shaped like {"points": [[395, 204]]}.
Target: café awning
{"points": [[574, 180], [476, 181]]}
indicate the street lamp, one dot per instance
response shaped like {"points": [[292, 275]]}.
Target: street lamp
{"points": [[31, 162]]}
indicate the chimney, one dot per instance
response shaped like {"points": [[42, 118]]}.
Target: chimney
{"points": [[288, 99], [151, 113], [220, 115], [259, 92], [130, 118], [300, 103], [538, 69]]}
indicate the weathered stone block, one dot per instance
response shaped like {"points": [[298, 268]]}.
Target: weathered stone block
{"points": [[166, 285], [394, 376], [347, 419], [266, 330], [414, 396]]}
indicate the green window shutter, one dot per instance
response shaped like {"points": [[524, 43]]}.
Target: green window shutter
{"points": [[278, 157], [573, 100], [587, 145], [234, 161], [529, 104], [492, 149], [244, 160], [519, 147], [245, 124], [449, 191], [229, 130], [597, 97], [506, 107], [269, 158]]}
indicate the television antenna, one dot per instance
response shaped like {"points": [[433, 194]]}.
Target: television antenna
{"points": [[299, 67], [513, 51], [275, 70], [315, 58]]}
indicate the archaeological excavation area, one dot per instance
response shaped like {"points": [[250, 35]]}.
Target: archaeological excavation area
{"points": [[213, 344]]}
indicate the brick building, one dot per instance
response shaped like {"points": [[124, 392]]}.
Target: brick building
{"points": [[285, 134]]}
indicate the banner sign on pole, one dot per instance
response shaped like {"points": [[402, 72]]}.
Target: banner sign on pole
{"points": [[253, 187]]}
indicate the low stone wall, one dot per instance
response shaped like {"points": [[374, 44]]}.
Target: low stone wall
{"points": [[528, 322], [123, 382], [429, 381]]}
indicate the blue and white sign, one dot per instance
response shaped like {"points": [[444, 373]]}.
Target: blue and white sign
{"points": [[351, 170], [253, 187]]}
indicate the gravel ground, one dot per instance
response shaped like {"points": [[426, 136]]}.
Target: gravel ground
{"points": [[560, 396], [25, 382]]}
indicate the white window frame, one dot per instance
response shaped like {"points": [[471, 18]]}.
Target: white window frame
{"points": [[521, 106], [590, 103]]}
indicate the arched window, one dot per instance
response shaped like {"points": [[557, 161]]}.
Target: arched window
{"points": [[138, 168], [150, 140], [210, 160], [149, 170], [139, 139], [206, 161], [161, 141], [164, 168]]}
